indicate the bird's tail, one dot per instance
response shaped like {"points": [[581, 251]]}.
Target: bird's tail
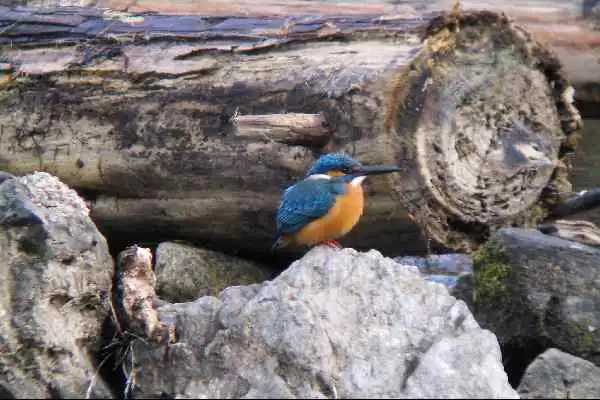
{"points": [[280, 242]]}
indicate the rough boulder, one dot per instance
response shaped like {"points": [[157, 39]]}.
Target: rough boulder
{"points": [[55, 269], [540, 288], [336, 323], [557, 375], [185, 273]]}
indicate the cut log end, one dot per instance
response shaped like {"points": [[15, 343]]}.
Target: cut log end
{"points": [[484, 115]]}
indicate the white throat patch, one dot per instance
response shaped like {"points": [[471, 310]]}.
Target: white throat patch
{"points": [[354, 182], [319, 176], [358, 180]]}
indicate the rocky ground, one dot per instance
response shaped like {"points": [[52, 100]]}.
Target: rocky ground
{"points": [[517, 319]]}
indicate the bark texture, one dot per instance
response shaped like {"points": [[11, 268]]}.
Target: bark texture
{"points": [[191, 127]]}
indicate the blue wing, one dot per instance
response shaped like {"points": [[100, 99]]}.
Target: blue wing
{"points": [[305, 202]]}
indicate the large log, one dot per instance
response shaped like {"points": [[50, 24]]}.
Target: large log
{"points": [[570, 28], [191, 127]]}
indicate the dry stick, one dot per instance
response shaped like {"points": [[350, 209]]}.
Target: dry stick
{"points": [[131, 376], [585, 201], [88, 393]]}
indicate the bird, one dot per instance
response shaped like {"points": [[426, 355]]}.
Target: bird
{"points": [[326, 204]]}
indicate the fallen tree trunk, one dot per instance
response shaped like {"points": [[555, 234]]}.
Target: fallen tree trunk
{"points": [[570, 28], [191, 128]]}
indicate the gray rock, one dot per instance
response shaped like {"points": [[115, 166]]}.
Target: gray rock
{"points": [[56, 272], [336, 323], [5, 176], [558, 375], [535, 286], [234, 299], [184, 272]]}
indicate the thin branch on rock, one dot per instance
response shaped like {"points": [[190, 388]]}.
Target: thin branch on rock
{"points": [[88, 393]]}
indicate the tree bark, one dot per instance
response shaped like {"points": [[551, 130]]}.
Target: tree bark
{"points": [[570, 28], [191, 128]]}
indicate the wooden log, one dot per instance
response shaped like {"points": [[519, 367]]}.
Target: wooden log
{"points": [[584, 232], [155, 118], [570, 28]]}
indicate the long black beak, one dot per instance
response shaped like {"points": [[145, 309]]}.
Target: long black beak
{"points": [[375, 169]]}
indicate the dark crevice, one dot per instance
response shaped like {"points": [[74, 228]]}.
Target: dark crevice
{"points": [[88, 194], [54, 392], [518, 353], [324, 386], [273, 262], [589, 109], [411, 364], [108, 360], [467, 231], [5, 393]]}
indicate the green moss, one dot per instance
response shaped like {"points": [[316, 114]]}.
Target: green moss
{"points": [[580, 334], [491, 269]]}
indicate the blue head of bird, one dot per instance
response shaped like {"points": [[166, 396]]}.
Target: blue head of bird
{"points": [[340, 164], [333, 164]]}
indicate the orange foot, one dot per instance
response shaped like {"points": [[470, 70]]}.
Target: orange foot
{"points": [[333, 243]]}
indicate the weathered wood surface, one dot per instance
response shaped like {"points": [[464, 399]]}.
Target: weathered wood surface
{"points": [[577, 231], [156, 122], [571, 28]]}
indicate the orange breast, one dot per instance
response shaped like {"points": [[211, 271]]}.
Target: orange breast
{"points": [[340, 220]]}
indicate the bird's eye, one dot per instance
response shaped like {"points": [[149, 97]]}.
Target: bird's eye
{"points": [[346, 170]]}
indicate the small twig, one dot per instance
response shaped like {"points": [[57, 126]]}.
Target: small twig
{"points": [[334, 390], [114, 315], [121, 361], [88, 393], [137, 337], [130, 376], [113, 343]]}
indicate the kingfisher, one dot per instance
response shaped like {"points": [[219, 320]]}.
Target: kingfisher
{"points": [[327, 203]]}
